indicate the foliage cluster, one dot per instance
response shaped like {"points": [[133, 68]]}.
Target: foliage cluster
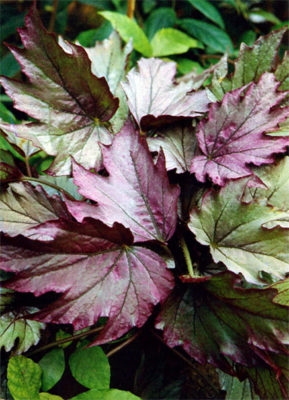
{"points": [[132, 197]]}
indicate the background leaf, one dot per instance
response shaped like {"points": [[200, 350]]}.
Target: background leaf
{"points": [[163, 17], [168, 41], [52, 365], [128, 29], [24, 378], [209, 10], [216, 39], [90, 367]]}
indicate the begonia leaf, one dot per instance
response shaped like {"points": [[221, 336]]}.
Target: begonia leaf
{"points": [[254, 61], [16, 327], [136, 193], [283, 292], [98, 270], [251, 64], [70, 103], [178, 143], [237, 233], [218, 320], [154, 99], [233, 135], [282, 72], [22, 206], [109, 60]]}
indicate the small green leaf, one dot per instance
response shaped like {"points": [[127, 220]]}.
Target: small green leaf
{"points": [[88, 38], [6, 115], [170, 41], [186, 65], [49, 396], [128, 29], [210, 35], [90, 367], [248, 37], [53, 366], [148, 5], [163, 17], [208, 10], [24, 378], [9, 66]]}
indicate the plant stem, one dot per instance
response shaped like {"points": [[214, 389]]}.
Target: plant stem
{"points": [[187, 256], [123, 344], [130, 8], [65, 340], [53, 16], [188, 362], [215, 56], [43, 182], [27, 165]]}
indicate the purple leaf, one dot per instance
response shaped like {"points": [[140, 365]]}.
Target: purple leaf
{"points": [[154, 99], [70, 103], [96, 268], [136, 193], [232, 137], [217, 320]]}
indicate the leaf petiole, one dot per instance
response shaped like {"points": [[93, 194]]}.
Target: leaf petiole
{"points": [[191, 267]]}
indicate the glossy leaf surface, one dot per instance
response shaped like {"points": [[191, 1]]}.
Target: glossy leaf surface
{"points": [[224, 320], [153, 98], [136, 193], [233, 136], [96, 268], [239, 234], [70, 103]]}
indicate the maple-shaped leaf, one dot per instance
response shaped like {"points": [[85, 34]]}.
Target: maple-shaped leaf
{"points": [[217, 320], [22, 207], [238, 233], [233, 135], [179, 145], [154, 99], [136, 193], [70, 103], [98, 270], [13, 327]]}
